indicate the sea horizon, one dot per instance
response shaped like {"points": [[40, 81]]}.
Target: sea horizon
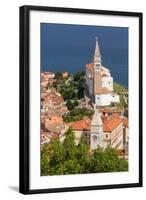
{"points": [[70, 47]]}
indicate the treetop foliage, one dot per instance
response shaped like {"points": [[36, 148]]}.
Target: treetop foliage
{"points": [[68, 158]]}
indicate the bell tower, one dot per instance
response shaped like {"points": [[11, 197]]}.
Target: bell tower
{"points": [[97, 67], [96, 135]]}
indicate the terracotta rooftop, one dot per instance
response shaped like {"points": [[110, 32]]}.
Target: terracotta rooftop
{"points": [[110, 124], [116, 114], [112, 112], [55, 127], [103, 90], [90, 66], [84, 124]]}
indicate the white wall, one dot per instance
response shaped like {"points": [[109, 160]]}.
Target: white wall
{"points": [[107, 82], [115, 98], [9, 86], [103, 99], [106, 99], [118, 135]]}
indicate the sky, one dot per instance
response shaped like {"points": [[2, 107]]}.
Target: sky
{"points": [[70, 47]]}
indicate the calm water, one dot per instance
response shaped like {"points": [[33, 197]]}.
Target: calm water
{"points": [[71, 47]]}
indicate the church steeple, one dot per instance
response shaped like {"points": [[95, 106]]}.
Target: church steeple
{"points": [[96, 120], [96, 135], [97, 55], [97, 68]]}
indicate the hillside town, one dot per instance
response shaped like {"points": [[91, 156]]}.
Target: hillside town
{"points": [[90, 103]]}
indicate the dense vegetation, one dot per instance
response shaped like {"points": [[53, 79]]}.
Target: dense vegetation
{"points": [[67, 158], [123, 93], [72, 89], [77, 114], [119, 88]]}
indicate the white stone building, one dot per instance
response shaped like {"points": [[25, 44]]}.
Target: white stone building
{"points": [[113, 133], [99, 81]]}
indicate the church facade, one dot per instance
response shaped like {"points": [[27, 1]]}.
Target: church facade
{"points": [[106, 128], [99, 81]]}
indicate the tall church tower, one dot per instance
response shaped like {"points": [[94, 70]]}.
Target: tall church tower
{"points": [[97, 67], [96, 135]]}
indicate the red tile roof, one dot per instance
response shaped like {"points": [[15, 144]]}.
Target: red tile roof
{"points": [[90, 66], [110, 124], [84, 124], [116, 114]]}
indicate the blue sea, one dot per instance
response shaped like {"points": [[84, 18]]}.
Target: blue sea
{"points": [[71, 47]]}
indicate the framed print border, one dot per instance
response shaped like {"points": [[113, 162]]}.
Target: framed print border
{"points": [[24, 137]]}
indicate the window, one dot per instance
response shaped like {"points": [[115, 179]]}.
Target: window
{"points": [[86, 134], [106, 136], [94, 138], [97, 65], [109, 82]]}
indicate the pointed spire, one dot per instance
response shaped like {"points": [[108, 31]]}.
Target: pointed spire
{"points": [[97, 55], [96, 120]]}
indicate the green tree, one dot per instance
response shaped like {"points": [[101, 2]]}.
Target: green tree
{"points": [[58, 75], [122, 165], [56, 156], [75, 102], [45, 159], [56, 152], [96, 164], [69, 145], [68, 92], [83, 155], [71, 167], [107, 161], [69, 158], [77, 114], [81, 88], [70, 104], [79, 76]]}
